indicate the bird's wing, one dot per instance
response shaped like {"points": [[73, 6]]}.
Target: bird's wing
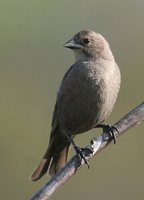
{"points": [[54, 118]]}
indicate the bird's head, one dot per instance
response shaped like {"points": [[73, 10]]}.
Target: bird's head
{"points": [[87, 44]]}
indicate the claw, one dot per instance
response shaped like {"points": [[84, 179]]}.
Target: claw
{"points": [[110, 129], [113, 135], [78, 150], [80, 153]]}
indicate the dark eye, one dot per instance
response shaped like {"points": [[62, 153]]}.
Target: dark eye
{"points": [[86, 40]]}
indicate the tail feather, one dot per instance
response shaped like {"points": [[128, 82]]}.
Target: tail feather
{"points": [[55, 156], [50, 166], [58, 161], [40, 170]]}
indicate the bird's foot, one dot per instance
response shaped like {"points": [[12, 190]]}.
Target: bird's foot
{"points": [[110, 129], [79, 152]]}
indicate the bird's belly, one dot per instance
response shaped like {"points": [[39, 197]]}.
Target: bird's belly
{"points": [[83, 110]]}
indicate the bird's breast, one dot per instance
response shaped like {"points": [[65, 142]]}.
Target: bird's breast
{"points": [[86, 97]]}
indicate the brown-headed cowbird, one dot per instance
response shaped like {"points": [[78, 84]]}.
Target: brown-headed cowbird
{"points": [[85, 98]]}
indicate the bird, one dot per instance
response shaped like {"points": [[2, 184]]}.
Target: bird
{"points": [[85, 99]]}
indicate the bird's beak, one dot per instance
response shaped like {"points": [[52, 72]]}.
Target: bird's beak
{"points": [[71, 44]]}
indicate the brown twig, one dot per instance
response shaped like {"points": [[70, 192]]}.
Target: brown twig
{"points": [[131, 119]]}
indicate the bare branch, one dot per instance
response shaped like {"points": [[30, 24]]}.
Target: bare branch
{"points": [[131, 119]]}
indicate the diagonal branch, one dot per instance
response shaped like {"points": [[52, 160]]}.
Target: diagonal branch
{"points": [[134, 117]]}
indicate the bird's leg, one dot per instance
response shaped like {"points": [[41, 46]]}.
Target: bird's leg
{"points": [[110, 129], [77, 149]]}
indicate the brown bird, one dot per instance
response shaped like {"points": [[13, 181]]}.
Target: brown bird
{"points": [[85, 98]]}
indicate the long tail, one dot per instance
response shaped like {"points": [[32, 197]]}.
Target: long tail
{"points": [[55, 156]]}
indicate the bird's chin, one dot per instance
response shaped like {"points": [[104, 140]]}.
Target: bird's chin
{"points": [[79, 55]]}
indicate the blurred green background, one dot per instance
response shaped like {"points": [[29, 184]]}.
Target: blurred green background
{"points": [[32, 64]]}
